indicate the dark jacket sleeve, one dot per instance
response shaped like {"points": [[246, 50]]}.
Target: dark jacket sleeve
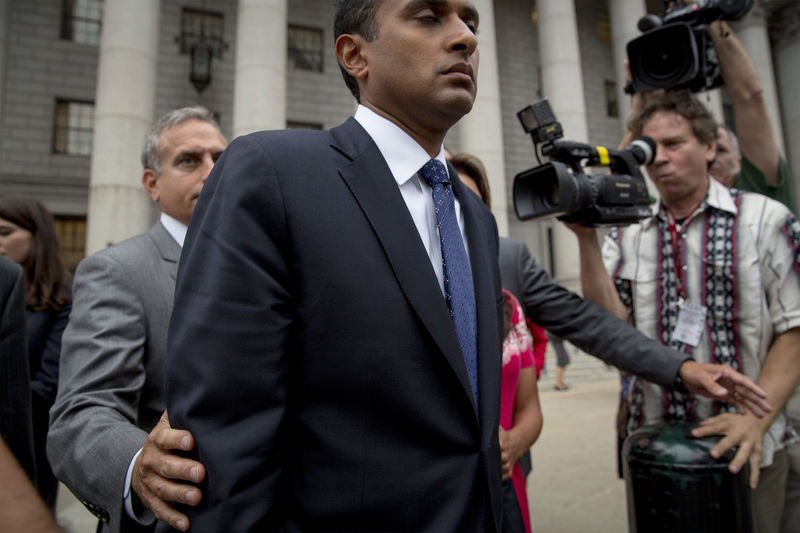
{"points": [[591, 328], [15, 392], [44, 379], [229, 342]]}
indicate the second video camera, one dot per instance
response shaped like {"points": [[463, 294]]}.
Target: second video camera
{"points": [[560, 187], [675, 52]]}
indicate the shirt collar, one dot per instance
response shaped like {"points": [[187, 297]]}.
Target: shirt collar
{"points": [[717, 197], [402, 153], [175, 228]]}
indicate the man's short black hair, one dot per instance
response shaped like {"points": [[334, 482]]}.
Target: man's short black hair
{"points": [[355, 17]]}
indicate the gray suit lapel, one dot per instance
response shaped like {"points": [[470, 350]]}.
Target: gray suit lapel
{"points": [[167, 247]]}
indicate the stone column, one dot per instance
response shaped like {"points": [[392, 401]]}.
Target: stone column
{"points": [[259, 100], [752, 32], [787, 65], [124, 109], [623, 17], [481, 131], [562, 84]]}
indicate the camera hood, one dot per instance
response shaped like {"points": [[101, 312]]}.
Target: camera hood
{"points": [[666, 56]]}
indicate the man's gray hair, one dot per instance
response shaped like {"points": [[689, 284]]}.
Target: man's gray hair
{"points": [[734, 139], [151, 151]]}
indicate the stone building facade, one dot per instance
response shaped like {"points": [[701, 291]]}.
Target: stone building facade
{"points": [[82, 80]]}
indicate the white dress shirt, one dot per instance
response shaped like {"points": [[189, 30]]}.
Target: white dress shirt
{"points": [[405, 157], [175, 228]]}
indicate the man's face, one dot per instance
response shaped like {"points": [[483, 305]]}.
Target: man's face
{"points": [[679, 170], [188, 152], [15, 241], [728, 164], [422, 68]]}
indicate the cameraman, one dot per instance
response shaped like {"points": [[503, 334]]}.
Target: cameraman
{"points": [[675, 277], [754, 162]]}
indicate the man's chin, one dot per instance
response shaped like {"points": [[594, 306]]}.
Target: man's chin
{"points": [[460, 103]]}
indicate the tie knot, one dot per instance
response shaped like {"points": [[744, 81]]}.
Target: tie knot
{"points": [[434, 172]]}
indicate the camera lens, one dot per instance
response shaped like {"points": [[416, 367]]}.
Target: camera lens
{"points": [[551, 199], [666, 62], [664, 57]]}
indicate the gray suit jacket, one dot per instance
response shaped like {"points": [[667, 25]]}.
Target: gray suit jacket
{"points": [[583, 323], [111, 389]]}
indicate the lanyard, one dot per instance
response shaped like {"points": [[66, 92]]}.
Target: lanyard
{"points": [[676, 236]]}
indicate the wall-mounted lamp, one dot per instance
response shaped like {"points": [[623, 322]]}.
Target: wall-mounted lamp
{"points": [[200, 73], [201, 39]]}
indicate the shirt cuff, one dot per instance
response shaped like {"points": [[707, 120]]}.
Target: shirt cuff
{"points": [[144, 516]]}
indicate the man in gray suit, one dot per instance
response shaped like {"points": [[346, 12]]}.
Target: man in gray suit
{"points": [[111, 391]]}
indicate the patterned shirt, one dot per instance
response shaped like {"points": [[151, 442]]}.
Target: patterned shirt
{"points": [[739, 257]]}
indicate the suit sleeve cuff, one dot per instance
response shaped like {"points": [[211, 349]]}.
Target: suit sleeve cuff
{"points": [[678, 384], [141, 514]]}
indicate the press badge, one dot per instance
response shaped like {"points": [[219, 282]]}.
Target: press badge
{"points": [[691, 323]]}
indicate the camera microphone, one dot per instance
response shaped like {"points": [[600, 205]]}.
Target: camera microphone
{"points": [[643, 150], [649, 22]]}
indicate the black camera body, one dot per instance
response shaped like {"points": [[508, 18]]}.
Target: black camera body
{"points": [[676, 52], [561, 188]]}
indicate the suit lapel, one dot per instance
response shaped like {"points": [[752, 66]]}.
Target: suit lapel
{"points": [[371, 183], [168, 248]]}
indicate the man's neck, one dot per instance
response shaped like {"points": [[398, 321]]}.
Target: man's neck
{"points": [[681, 208], [430, 140]]}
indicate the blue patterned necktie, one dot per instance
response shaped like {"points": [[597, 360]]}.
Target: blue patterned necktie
{"points": [[458, 289]]}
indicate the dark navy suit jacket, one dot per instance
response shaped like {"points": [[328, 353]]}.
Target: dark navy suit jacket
{"points": [[312, 355]]}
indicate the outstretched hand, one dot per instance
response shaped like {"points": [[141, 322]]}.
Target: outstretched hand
{"points": [[723, 383], [743, 430], [157, 468]]}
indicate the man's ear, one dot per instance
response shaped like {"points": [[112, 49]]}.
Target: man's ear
{"points": [[711, 151], [349, 52], [150, 183]]}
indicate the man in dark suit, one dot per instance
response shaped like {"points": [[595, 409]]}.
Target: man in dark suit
{"points": [[111, 380], [318, 351], [15, 392]]}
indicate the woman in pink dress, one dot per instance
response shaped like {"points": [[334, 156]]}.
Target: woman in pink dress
{"points": [[520, 414]]}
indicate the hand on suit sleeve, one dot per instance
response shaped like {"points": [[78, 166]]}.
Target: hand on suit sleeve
{"points": [[158, 472]]}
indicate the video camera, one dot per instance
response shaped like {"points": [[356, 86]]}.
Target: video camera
{"points": [[675, 52], [617, 199]]}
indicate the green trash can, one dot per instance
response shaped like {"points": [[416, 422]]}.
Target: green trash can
{"points": [[674, 485]]}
